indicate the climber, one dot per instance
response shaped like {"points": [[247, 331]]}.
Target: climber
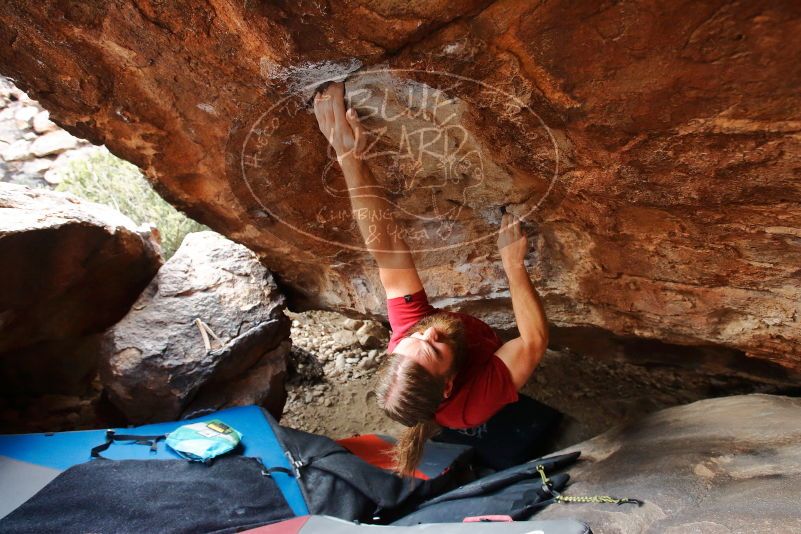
{"points": [[444, 369]]}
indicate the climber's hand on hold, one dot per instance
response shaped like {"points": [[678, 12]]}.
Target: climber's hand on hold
{"points": [[512, 243], [523, 354], [341, 128]]}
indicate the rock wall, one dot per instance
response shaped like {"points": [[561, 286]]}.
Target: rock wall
{"points": [[652, 147], [723, 465], [70, 268]]}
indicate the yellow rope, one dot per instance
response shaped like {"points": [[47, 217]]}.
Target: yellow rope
{"points": [[599, 499]]}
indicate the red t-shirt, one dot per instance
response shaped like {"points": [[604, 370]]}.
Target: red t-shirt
{"points": [[483, 386]]}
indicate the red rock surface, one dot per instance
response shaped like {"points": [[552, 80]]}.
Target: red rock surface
{"points": [[675, 212]]}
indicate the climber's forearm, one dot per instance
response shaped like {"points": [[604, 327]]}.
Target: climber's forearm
{"points": [[374, 215], [529, 312], [371, 209]]}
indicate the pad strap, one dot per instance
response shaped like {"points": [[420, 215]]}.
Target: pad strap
{"points": [[112, 436]]}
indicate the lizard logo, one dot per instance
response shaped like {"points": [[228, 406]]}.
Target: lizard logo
{"points": [[422, 146]]}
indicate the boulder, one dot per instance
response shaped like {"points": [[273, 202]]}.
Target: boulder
{"points": [[343, 339], [17, 150], [715, 466], [37, 166], [42, 123], [53, 143], [70, 268], [208, 332], [372, 335], [352, 324], [651, 147], [24, 114]]}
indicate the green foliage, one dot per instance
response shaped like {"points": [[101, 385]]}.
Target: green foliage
{"points": [[106, 179]]}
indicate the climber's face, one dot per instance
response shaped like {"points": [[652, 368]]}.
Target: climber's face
{"points": [[436, 342]]}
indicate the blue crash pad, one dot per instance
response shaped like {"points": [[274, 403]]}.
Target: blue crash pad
{"points": [[61, 450]]}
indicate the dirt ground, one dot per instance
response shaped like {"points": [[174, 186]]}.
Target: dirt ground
{"points": [[332, 378]]}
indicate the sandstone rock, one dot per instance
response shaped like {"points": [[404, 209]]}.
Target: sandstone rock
{"points": [[53, 143], [70, 268], [61, 402], [262, 384], [6, 87], [369, 342], [24, 114], [8, 134], [36, 166], [42, 123], [156, 360], [652, 146], [366, 364], [352, 324], [17, 150], [721, 465], [372, 335], [343, 339]]}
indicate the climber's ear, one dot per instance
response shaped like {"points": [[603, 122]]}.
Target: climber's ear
{"points": [[446, 393]]}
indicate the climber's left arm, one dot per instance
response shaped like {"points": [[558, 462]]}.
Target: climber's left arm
{"points": [[521, 355], [372, 211]]}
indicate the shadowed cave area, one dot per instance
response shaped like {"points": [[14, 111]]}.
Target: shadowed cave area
{"points": [[177, 237]]}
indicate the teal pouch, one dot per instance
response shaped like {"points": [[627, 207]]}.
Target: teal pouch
{"points": [[201, 442]]}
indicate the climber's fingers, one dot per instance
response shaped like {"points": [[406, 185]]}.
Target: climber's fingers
{"points": [[358, 131], [507, 222], [512, 224], [324, 111], [510, 231], [517, 230], [323, 103], [320, 103], [503, 234], [328, 112], [336, 94]]}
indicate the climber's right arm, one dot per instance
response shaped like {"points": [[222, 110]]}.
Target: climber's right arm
{"points": [[372, 211]]}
